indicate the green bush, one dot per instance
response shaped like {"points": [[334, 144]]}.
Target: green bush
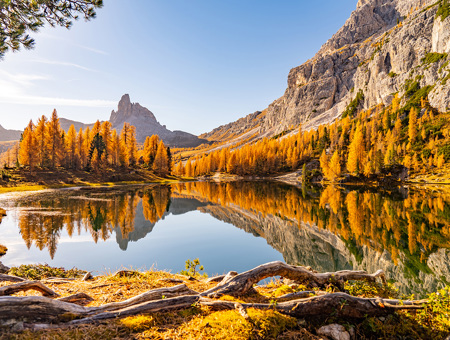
{"points": [[443, 10], [431, 58], [42, 271], [352, 108]]}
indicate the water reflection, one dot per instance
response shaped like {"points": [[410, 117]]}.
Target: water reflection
{"points": [[406, 232]]}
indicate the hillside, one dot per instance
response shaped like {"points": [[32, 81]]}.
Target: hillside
{"points": [[9, 135], [385, 47]]}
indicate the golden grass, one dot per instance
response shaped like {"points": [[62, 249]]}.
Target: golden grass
{"points": [[193, 323], [200, 322]]}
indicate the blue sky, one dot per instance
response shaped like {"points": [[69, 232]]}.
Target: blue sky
{"points": [[195, 64]]}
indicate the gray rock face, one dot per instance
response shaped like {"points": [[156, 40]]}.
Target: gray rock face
{"points": [[369, 53], [146, 125], [231, 130], [9, 135]]}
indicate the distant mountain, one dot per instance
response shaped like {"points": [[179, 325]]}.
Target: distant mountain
{"points": [[146, 125], [7, 135], [66, 123]]}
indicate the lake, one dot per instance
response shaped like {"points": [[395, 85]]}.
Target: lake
{"points": [[235, 226]]}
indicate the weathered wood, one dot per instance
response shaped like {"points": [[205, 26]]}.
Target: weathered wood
{"points": [[241, 310], [35, 309], [298, 295], [157, 306], [88, 276], [215, 279], [240, 284], [27, 285], [80, 299], [11, 278], [341, 305], [155, 294]]}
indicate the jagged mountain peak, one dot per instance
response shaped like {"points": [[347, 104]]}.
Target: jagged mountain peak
{"points": [[146, 124], [130, 112]]}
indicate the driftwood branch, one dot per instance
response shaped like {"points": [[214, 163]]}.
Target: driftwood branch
{"points": [[11, 278], [81, 299], [338, 304], [240, 284], [157, 306], [155, 294], [27, 285]]}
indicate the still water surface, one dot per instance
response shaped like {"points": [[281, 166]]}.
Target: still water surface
{"points": [[234, 226]]}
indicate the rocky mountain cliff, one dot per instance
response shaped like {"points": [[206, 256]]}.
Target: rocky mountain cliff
{"points": [[9, 135], [384, 46], [146, 125]]}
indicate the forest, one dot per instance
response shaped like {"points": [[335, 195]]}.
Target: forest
{"points": [[95, 149], [367, 143]]}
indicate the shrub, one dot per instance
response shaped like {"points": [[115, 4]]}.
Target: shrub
{"points": [[352, 108], [443, 10], [431, 58]]}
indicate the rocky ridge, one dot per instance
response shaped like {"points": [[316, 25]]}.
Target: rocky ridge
{"points": [[381, 47], [146, 125], [9, 135]]}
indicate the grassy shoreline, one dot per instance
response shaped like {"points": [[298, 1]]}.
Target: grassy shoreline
{"points": [[200, 322]]}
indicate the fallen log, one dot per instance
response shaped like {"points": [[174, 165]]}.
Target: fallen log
{"points": [[157, 306], [336, 304], [36, 309], [155, 294], [300, 295], [80, 299], [236, 285], [27, 285], [11, 278]]}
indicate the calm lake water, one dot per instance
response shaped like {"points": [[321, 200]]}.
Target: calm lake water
{"points": [[234, 226]]}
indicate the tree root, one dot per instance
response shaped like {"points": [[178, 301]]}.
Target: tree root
{"points": [[337, 304], [27, 285], [240, 284], [44, 313], [11, 278]]}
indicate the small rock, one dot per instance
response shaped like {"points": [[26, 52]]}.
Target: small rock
{"points": [[334, 331], [17, 327]]}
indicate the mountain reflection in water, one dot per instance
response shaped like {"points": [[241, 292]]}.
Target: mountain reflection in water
{"points": [[405, 232]]}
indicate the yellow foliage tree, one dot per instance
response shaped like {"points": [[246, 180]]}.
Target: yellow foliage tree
{"points": [[161, 162]]}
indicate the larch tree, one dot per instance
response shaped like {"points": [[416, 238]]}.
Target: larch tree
{"points": [[160, 164], [27, 153], [115, 152], [324, 165], [188, 169], [41, 138], [412, 127], [105, 132], [80, 150], [71, 146], [54, 139], [356, 152], [132, 146], [335, 165], [123, 145]]}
